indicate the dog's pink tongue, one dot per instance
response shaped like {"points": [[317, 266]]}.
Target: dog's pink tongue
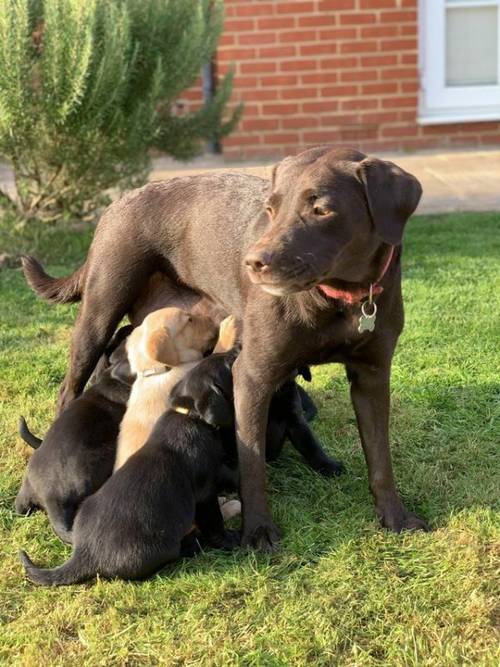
{"points": [[352, 296]]}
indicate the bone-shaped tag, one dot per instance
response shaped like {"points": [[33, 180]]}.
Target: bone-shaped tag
{"points": [[367, 322]]}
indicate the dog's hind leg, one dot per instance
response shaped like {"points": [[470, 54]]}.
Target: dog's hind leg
{"points": [[61, 516], [107, 298], [25, 502]]}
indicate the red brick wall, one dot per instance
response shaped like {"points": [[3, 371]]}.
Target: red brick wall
{"points": [[336, 71]]}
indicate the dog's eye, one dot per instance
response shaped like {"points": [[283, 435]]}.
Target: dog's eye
{"points": [[321, 211]]}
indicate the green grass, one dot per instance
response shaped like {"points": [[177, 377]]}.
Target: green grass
{"points": [[341, 591]]}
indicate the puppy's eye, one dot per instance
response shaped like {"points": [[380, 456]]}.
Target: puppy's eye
{"points": [[321, 211]]}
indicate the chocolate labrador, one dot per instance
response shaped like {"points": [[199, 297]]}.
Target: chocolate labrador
{"points": [[305, 262]]}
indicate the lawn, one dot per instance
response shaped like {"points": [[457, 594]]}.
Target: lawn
{"points": [[341, 591]]}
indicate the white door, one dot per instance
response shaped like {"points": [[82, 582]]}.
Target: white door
{"points": [[460, 60]]}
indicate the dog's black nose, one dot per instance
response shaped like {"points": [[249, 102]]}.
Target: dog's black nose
{"points": [[259, 262]]}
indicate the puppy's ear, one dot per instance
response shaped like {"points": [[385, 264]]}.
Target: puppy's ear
{"points": [[392, 195], [160, 347], [215, 410], [121, 371]]}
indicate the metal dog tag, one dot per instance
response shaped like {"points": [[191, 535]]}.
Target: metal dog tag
{"points": [[367, 321]]}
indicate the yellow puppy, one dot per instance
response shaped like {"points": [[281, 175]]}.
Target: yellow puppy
{"points": [[167, 338]]}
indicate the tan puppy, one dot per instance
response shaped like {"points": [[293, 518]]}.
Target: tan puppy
{"points": [[167, 338]]}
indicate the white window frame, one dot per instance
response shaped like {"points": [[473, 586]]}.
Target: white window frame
{"points": [[450, 104]]}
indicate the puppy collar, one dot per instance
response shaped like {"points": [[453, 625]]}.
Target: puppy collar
{"points": [[359, 293], [156, 370], [181, 410]]}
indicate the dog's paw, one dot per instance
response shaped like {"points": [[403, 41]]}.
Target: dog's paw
{"points": [[231, 539], [327, 467], [264, 537], [397, 518]]}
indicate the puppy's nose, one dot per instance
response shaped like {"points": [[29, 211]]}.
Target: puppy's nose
{"points": [[258, 262]]}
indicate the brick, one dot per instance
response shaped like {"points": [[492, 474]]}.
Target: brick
{"points": [[410, 86], [259, 95], [320, 77], [285, 108], [294, 7], [297, 36], [398, 131], [238, 25], [236, 54], [318, 49], [378, 60], [398, 45], [379, 89], [339, 91], [299, 122], [227, 40], [242, 140], [254, 9], [245, 82], [335, 5], [319, 107], [360, 103], [380, 31], [398, 73], [257, 66], [260, 124], [281, 138], [359, 75], [280, 80], [357, 18], [255, 38], [298, 65], [297, 93], [316, 20], [338, 63], [337, 120], [378, 4], [399, 17], [358, 133], [320, 136], [408, 58], [277, 51], [276, 23], [338, 33], [409, 101], [358, 47]]}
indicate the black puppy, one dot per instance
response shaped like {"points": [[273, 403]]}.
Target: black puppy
{"points": [[290, 409], [139, 519], [78, 452]]}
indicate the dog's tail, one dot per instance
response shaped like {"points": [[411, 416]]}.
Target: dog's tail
{"points": [[56, 290], [76, 570], [27, 435]]}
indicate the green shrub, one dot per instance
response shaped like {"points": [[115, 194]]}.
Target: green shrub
{"points": [[87, 89]]}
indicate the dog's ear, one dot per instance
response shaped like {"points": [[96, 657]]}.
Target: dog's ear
{"points": [[121, 371], [215, 410], [392, 196], [161, 348]]}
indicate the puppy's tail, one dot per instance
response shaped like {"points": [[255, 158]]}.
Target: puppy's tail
{"points": [[27, 435], [76, 570], [56, 290]]}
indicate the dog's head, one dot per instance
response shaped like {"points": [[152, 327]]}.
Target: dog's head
{"points": [[170, 336], [206, 392], [330, 214]]}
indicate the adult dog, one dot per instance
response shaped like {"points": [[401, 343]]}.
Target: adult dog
{"points": [[293, 260]]}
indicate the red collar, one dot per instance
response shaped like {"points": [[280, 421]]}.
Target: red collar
{"points": [[357, 294]]}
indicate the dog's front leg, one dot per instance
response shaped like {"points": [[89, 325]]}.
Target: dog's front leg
{"points": [[251, 402], [370, 394]]}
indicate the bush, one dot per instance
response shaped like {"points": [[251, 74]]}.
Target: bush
{"points": [[87, 89]]}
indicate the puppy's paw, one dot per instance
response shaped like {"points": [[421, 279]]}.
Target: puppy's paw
{"points": [[327, 467], [231, 539], [263, 536], [229, 508], [396, 518]]}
